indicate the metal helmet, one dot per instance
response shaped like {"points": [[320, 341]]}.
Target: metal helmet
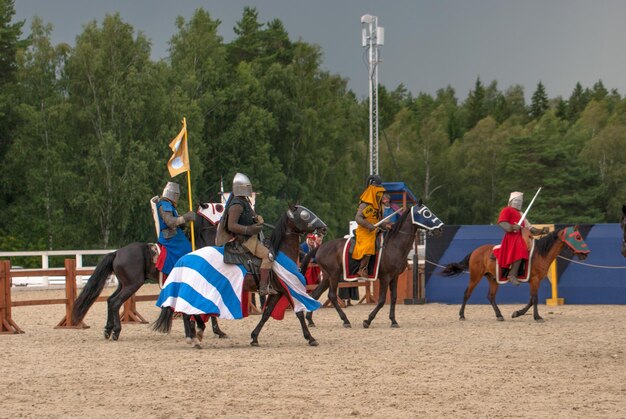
{"points": [[516, 199], [373, 180], [171, 192], [242, 185]]}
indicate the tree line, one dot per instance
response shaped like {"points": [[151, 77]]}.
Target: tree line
{"points": [[85, 130]]}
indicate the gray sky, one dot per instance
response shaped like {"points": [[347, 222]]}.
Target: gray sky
{"points": [[429, 44]]}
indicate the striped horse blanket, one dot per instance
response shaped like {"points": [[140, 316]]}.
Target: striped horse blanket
{"points": [[201, 283]]}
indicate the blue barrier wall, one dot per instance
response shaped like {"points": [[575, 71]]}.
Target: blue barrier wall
{"points": [[578, 284]]}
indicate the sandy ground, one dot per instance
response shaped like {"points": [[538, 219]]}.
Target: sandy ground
{"points": [[573, 365]]}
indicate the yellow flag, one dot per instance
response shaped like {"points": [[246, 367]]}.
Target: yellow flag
{"points": [[179, 162]]}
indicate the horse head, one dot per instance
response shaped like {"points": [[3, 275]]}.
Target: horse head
{"points": [[574, 241], [426, 219], [304, 220]]}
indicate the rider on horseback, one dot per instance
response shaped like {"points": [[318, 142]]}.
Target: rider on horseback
{"points": [[171, 236], [368, 213], [514, 249], [246, 225]]}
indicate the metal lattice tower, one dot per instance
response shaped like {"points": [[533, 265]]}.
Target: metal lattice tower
{"points": [[372, 37]]}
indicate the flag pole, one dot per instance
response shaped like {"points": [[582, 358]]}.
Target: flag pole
{"points": [[191, 224]]}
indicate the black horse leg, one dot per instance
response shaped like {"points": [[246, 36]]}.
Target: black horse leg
{"points": [[467, 294], [332, 296], [382, 296], [108, 327], [116, 304], [190, 332], [269, 306], [316, 293], [305, 330], [216, 328], [523, 311], [393, 287], [536, 315], [491, 296]]}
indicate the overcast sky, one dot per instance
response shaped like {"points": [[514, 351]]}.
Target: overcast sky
{"points": [[429, 44]]}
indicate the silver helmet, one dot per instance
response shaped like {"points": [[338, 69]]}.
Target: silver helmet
{"points": [[171, 192], [516, 199], [242, 185]]}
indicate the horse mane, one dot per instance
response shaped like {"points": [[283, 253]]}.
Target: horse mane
{"points": [[279, 233], [396, 226], [545, 243]]}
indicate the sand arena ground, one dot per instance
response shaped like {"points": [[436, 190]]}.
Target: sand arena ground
{"points": [[573, 365]]}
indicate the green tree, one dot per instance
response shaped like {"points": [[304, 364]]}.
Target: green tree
{"points": [[475, 104], [538, 102]]}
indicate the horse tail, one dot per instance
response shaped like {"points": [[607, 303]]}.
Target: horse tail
{"points": [[452, 269], [307, 258], [164, 323], [93, 288]]}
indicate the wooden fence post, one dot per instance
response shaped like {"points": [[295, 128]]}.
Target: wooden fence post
{"points": [[7, 325], [70, 296], [130, 314]]}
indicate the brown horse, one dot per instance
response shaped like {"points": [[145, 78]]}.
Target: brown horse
{"points": [[481, 263], [622, 223], [396, 248]]}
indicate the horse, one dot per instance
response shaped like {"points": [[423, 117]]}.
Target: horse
{"points": [[622, 223], [482, 263], [285, 238], [393, 260], [132, 264]]}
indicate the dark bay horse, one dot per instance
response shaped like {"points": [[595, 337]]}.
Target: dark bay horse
{"points": [[132, 264], [622, 223], [396, 248], [547, 248], [285, 238]]}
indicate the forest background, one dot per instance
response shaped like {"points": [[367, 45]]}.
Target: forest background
{"points": [[85, 128]]}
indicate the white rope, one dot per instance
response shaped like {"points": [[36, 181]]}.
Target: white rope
{"points": [[593, 266], [562, 257]]}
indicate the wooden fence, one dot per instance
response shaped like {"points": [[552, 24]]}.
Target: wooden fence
{"points": [[8, 326]]}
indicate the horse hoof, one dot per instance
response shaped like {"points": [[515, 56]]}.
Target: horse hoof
{"points": [[366, 325], [395, 326], [254, 343], [500, 318], [107, 335], [347, 325], [539, 320], [196, 343], [462, 318], [313, 343], [200, 335], [311, 324], [222, 335], [115, 337], [188, 341], [515, 314]]}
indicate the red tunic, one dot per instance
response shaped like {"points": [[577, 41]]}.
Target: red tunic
{"points": [[513, 246]]}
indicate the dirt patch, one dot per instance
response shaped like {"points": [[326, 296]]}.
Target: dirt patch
{"points": [[573, 365]]}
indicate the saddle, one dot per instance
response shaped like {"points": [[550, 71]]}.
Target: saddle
{"points": [[236, 254], [351, 266], [523, 273]]}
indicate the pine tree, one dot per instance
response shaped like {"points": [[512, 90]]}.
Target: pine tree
{"points": [[539, 102]]}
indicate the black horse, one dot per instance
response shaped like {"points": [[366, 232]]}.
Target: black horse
{"points": [[622, 223], [285, 238], [132, 264], [397, 245]]}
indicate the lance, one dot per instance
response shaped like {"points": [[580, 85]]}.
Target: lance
{"points": [[388, 217], [521, 220]]}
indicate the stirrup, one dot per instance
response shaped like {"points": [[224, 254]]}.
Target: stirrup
{"points": [[513, 280]]}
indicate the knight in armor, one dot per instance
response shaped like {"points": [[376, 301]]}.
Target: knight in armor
{"points": [[245, 225], [368, 213], [171, 235], [514, 248]]}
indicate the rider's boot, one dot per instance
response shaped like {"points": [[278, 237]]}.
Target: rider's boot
{"points": [[513, 272], [264, 283], [363, 267]]}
